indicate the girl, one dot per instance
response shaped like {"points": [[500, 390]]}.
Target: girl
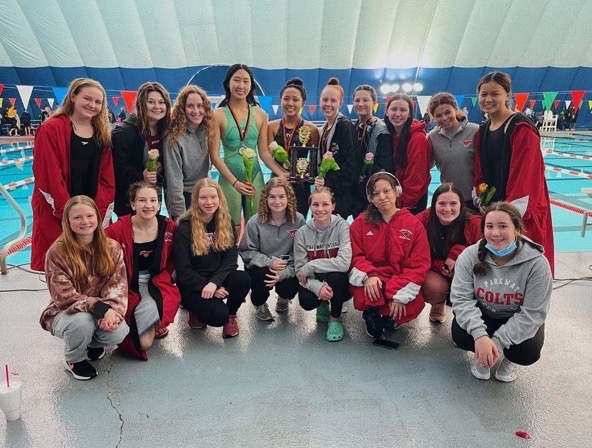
{"points": [[371, 133], [143, 130], [451, 227], [268, 245], [410, 159], [391, 258], [509, 158], [452, 144], [322, 255], [240, 125], [186, 154], [205, 257], [337, 137], [72, 157], [286, 132], [500, 296], [147, 241], [86, 279]]}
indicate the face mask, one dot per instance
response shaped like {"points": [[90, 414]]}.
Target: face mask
{"points": [[503, 252]]}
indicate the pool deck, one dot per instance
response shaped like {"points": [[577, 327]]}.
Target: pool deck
{"points": [[282, 384]]}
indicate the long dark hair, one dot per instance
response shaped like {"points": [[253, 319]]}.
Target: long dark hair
{"points": [[401, 149], [455, 231], [229, 74]]}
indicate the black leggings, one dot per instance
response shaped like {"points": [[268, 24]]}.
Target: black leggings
{"points": [[525, 353], [214, 311], [338, 281], [286, 289]]}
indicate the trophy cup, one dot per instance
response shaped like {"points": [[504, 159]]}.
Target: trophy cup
{"points": [[303, 159]]}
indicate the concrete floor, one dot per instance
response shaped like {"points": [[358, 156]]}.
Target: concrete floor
{"points": [[283, 385]]}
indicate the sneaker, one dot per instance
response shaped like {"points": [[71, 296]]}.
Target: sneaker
{"points": [[323, 312], [230, 328], [438, 313], [480, 372], [161, 332], [391, 326], [82, 370], [371, 317], [263, 313], [507, 371], [94, 354], [282, 305], [194, 322]]}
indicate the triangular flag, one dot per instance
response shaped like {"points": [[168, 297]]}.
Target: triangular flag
{"points": [[577, 96], [275, 108], [12, 101], [459, 100], [38, 102], [589, 103], [300, 111], [214, 105], [60, 94], [520, 100], [265, 103], [25, 93], [1, 88], [567, 103], [115, 100], [350, 107], [413, 103], [129, 98], [51, 101], [548, 98], [1, 101], [312, 108], [556, 104], [423, 101], [474, 100], [531, 103], [375, 107]]}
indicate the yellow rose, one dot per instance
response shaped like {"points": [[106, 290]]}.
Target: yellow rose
{"points": [[482, 188], [153, 154]]}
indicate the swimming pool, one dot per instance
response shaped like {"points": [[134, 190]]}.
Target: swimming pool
{"points": [[568, 162]]}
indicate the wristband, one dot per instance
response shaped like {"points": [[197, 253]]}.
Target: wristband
{"points": [[234, 183]]}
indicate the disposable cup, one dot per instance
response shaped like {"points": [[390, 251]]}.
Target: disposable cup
{"points": [[11, 399]]}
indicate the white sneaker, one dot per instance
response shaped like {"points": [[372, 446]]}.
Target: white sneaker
{"points": [[480, 372], [282, 305], [507, 371], [263, 313]]}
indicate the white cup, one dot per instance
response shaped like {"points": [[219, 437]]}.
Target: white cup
{"points": [[11, 399]]}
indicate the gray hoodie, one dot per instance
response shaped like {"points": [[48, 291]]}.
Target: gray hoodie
{"points": [[320, 251], [519, 290], [262, 241]]}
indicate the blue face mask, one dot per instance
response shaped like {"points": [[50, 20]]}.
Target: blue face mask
{"points": [[503, 252]]}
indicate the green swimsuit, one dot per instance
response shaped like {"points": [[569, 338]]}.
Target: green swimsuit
{"points": [[231, 144]]}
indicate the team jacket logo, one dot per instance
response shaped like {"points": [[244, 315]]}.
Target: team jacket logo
{"points": [[467, 143], [369, 233], [405, 234], [168, 237], [292, 232], [211, 239], [145, 253]]}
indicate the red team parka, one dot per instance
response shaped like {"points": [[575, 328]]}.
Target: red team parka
{"points": [[398, 253], [51, 168], [161, 286]]}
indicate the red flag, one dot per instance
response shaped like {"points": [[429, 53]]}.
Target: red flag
{"points": [[115, 100], [12, 101], [312, 108], [532, 103], [521, 100], [1, 88], [38, 102], [577, 96], [556, 104], [413, 103], [129, 97]]}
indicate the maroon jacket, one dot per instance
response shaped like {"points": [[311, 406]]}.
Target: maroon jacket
{"points": [[161, 286]]}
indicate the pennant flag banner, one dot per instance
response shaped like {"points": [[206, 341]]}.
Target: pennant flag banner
{"points": [[520, 100], [1, 88], [548, 98], [474, 100], [350, 107], [375, 107], [38, 102], [300, 111], [12, 101], [129, 98], [567, 103], [115, 100], [214, 105], [413, 103], [459, 100], [51, 101], [556, 104], [60, 94], [589, 103], [423, 101], [265, 103], [25, 94], [532, 103], [1, 101], [312, 108], [577, 96], [275, 108]]}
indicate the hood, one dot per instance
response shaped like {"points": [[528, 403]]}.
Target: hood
{"points": [[418, 126]]}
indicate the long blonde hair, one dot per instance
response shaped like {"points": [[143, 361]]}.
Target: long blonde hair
{"points": [[100, 122], [98, 251], [224, 230], [178, 118]]}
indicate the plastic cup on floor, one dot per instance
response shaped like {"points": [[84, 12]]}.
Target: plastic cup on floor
{"points": [[11, 399]]}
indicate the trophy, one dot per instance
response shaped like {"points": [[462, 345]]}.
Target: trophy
{"points": [[303, 159]]}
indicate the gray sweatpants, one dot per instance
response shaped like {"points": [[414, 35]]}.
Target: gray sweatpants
{"points": [[81, 331]]}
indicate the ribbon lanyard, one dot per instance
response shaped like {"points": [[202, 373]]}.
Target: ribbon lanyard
{"points": [[242, 134], [289, 142]]}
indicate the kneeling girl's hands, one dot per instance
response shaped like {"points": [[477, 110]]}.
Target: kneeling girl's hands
{"points": [[272, 278], [209, 290], [486, 352], [398, 310], [326, 293], [373, 288], [110, 320], [221, 293]]}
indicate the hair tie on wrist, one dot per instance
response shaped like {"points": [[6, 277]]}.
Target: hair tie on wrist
{"points": [[234, 183]]}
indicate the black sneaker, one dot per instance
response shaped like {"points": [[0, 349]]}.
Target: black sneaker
{"points": [[82, 370], [374, 327], [390, 326], [94, 354]]}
